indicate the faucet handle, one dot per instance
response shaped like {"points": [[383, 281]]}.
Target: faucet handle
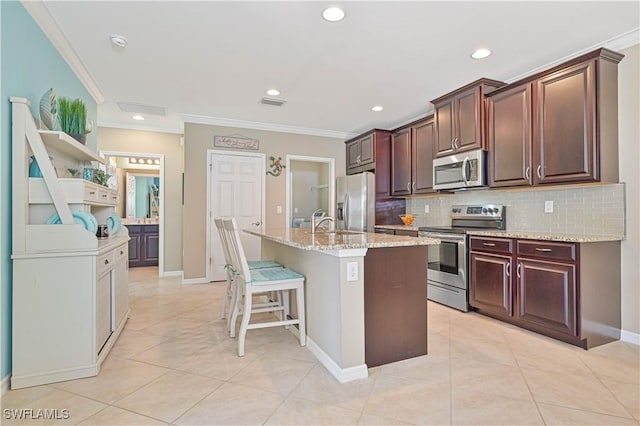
{"points": [[319, 214]]}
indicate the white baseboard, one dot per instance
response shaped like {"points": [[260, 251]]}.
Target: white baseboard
{"points": [[342, 375], [4, 384], [189, 281], [629, 337], [171, 274]]}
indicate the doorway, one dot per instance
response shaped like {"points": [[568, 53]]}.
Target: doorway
{"points": [[151, 207], [235, 188], [310, 187]]}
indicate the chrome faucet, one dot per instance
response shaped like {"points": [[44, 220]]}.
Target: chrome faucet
{"points": [[315, 215]]}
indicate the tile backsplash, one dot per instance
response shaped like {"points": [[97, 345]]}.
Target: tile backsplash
{"points": [[582, 210]]}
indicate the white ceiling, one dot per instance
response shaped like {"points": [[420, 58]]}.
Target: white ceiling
{"points": [[216, 59]]}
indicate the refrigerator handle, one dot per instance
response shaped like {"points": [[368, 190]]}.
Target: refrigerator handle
{"points": [[345, 211]]}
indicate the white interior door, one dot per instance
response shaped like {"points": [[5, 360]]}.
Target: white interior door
{"points": [[236, 190]]}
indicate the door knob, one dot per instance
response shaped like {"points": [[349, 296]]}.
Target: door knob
{"points": [[255, 223]]}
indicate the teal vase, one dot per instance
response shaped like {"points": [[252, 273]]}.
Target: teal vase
{"points": [[34, 169]]}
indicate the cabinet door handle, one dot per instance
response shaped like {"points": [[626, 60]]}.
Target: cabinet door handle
{"points": [[518, 269], [121, 251], [456, 144], [106, 261], [508, 270], [546, 250], [453, 146], [358, 159], [527, 172], [489, 244], [255, 223], [409, 186], [414, 186], [539, 171]]}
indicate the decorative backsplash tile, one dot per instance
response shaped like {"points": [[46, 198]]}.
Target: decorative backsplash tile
{"points": [[582, 210]]}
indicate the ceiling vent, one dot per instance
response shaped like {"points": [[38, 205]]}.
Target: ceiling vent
{"points": [[142, 109], [272, 101]]}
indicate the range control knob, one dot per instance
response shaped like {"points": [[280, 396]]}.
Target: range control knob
{"points": [[484, 210]]}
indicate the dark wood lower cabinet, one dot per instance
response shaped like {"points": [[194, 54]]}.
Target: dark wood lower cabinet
{"points": [[143, 245], [568, 291], [395, 304], [547, 295]]}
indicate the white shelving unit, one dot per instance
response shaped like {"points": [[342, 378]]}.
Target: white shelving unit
{"points": [[70, 289]]}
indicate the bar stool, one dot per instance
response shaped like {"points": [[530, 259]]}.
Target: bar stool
{"points": [[230, 292], [260, 281]]}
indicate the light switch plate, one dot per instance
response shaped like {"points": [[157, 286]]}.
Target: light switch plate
{"points": [[352, 271], [426, 208], [548, 206], [279, 209]]}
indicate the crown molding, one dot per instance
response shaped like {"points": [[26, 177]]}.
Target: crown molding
{"points": [[128, 126], [619, 42], [256, 125], [41, 15]]}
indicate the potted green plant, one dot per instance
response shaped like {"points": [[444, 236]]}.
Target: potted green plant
{"points": [[72, 117]]}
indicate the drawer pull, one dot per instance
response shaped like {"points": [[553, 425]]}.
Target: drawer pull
{"points": [[104, 195], [489, 244], [106, 261], [92, 192], [543, 249], [121, 251]]}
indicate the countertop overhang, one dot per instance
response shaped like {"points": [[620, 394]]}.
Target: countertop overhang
{"points": [[302, 238]]}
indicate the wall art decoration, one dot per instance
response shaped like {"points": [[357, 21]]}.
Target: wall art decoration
{"points": [[238, 142], [276, 166]]}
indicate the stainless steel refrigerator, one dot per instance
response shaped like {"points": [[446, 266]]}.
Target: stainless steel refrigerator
{"points": [[355, 202]]}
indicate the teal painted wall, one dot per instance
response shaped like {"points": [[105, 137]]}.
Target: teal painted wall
{"points": [[30, 65]]}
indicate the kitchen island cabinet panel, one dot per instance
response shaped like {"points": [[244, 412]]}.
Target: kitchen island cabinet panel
{"points": [[143, 245], [491, 288], [395, 304]]}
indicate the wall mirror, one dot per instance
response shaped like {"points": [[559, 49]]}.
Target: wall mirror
{"points": [[142, 195]]}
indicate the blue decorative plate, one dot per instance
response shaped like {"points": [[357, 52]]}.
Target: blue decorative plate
{"points": [[83, 218], [114, 223]]}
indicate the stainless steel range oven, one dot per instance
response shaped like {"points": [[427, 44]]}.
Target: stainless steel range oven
{"points": [[447, 279]]}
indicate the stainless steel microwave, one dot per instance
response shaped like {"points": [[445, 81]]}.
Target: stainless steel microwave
{"points": [[459, 171]]}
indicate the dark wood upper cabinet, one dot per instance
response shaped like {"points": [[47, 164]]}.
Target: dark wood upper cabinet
{"points": [[363, 150], [558, 126], [401, 162], [565, 125], [412, 158], [459, 118], [509, 137]]}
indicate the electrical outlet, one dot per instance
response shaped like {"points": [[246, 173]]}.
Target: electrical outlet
{"points": [[295, 210], [352, 271], [548, 206], [279, 209], [426, 208]]}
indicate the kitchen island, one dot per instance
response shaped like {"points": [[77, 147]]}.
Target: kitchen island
{"points": [[365, 295]]}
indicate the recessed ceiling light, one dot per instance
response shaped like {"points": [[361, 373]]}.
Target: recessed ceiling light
{"points": [[138, 117], [481, 53], [333, 14], [377, 108], [273, 92], [118, 40]]}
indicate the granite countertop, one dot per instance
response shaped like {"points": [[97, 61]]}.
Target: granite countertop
{"points": [[303, 239], [546, 236], [396, 227]]}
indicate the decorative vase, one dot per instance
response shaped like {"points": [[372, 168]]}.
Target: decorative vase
{"points": [[80, 138], [34, 169]]}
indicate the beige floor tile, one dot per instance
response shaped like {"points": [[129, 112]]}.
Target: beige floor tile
{"points": [[438, 344], [24, 397], [555, 415], [368, 419], [171, 353], [114, 416], [218, 363], [475, 408], [140, 319], [431, 368], [155, 401], [482, 350], [290, 348], [627, 394], [296, 411], [320, 385], [621, 369], [131, 342], [233, 404], [557, 360], [411, 401], [274, 375], [174, 327], [571, 391], [489, 378], [114, 382], [63, 408], [474, 327]]}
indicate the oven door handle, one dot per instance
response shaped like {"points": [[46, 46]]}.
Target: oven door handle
{"points": [[449, 238]]}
